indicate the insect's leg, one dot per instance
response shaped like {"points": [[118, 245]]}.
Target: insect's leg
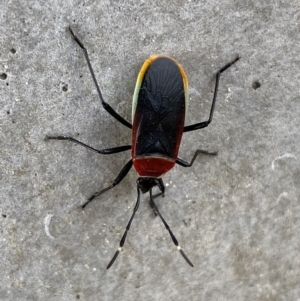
{"points": [[117, 180], [125, 233], [204, 124], [105, 105], [175, 241], [106, 151], [161, 187], [199, 151]]}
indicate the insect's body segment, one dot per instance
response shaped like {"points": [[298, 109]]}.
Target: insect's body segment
{"points": [[158, 112]]}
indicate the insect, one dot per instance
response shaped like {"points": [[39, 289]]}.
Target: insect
{"points": [[159, 107]]}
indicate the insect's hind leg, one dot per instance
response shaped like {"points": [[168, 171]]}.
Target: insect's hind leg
{"points": [[201, 125], [105, 105], [199, 151]]}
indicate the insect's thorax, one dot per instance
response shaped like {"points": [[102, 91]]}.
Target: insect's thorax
{"points": [[151, 166]]}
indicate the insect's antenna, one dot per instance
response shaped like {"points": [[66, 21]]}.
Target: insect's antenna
{"points": [[175, 241], [136, 207]]}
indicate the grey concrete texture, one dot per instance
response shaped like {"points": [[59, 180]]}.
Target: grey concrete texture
{"points": [[236, 215]]}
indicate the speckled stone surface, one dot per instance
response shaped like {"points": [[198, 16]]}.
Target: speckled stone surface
{"points": [[236, 215]]}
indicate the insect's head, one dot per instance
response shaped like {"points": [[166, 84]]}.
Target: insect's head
{"points": [[145, 184]]}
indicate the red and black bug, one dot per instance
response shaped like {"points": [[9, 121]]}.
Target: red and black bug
{"points": [[159, 108]]}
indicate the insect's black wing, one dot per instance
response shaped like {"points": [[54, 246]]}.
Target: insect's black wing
{"points": [[160, 109]]}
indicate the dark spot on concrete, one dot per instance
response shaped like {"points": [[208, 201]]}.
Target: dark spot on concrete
{"points": [[65, 88], [3, 76], [256, 84]]}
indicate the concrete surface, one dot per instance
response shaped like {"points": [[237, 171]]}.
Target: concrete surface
{"points": [[236, 215]]}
